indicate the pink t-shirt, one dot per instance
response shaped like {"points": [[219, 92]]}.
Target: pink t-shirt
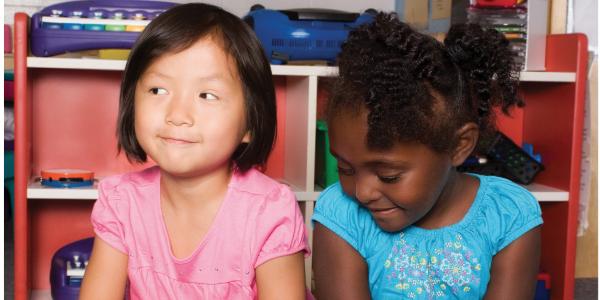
{"points": [[258, 220]]}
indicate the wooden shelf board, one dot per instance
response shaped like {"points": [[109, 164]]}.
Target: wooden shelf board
{"points": [[37, 191], [91, 63], [545, 193]]}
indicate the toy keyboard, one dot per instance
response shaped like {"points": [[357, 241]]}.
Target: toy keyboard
{"points": [[94, 24]]}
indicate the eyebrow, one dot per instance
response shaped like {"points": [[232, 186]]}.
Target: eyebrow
{"points": [[378, 163], [210, 77], [387, 164], [157, 74]]}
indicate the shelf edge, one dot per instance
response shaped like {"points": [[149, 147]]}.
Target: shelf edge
{"points": [[277, 70]]}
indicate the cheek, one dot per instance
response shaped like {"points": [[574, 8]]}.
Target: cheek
{"points": [[147, 113], [419, 190], [348, 185], [410, 191], [145, 124], [141, 121], [229, 121]]}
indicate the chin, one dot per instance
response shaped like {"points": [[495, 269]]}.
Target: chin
{"points": [[390, 228], [179, 172], [174, 167]]}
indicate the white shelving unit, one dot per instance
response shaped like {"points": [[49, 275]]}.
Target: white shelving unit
{"points": [[301, 110], [279, 70], [37, 191]]}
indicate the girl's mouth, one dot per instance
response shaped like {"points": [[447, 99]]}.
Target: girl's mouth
{"points": [[172, 140], [384, 211]]}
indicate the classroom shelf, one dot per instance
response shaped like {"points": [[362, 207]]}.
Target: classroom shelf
{"points": [[35, 190], [85, 63], [279, 70], [55, 92], [544, 193], [547, 76]]}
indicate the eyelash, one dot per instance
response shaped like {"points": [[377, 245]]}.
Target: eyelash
{"points": [[203, 96], [155, 90], [389, 179], [384, 179]]}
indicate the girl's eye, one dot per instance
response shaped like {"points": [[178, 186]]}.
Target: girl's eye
{"points": [[208, 96], [158, 91], [388, 179], [345, 171]]}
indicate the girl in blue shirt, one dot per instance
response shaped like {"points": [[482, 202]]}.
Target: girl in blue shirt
{"points": [[402, 223]]}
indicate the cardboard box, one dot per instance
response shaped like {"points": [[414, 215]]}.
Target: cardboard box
{"points": [[429, 16]]}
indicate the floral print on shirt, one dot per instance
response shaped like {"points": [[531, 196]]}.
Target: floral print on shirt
{"points": [[451, 269]]}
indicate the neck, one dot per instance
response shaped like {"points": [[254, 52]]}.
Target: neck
{"points": [[452, 203], [197, 191]]}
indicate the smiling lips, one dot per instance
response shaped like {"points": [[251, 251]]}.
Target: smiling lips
{"points": [[171, 140], [383, 211]]}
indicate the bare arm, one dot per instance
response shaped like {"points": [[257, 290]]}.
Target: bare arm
{"points": [[282, 278], [340, 271], [514, 268], [106, 273]]}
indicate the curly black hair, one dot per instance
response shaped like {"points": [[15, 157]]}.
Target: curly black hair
{"points": [[417, 89]]}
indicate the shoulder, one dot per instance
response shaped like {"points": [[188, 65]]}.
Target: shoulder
{"points": [[121, 198], [278, 225], [504, 194], [508, 211], [256, 185], [115, 187], [138, 178], [334, 201], [346, 218]]}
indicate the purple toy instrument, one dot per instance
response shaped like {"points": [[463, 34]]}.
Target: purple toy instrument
{"points": [[93, 24], [68, 267]]}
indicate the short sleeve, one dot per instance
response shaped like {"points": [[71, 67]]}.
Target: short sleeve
{"points": [[344, 217], [281, 230], [517, 213], [105, 217]]}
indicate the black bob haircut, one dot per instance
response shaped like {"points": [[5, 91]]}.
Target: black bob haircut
{"points": [[176, 30]]}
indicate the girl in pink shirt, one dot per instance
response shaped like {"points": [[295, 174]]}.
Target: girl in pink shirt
{"points": [[197, 98]]}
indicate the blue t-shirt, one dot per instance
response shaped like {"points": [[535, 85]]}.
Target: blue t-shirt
{"points": [[452, 262]]}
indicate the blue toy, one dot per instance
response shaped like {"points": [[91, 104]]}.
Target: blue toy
{"points": [[303, 34], [529, 149], [542, 288], [91, 24], [68, 268]]}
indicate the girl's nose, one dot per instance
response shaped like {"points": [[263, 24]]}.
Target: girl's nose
{"points": [[179, 112], [366, 189]]}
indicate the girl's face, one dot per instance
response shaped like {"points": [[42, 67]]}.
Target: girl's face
{"points": [[399, 186], [189, 109]]}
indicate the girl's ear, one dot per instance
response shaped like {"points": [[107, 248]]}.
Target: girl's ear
{"points": [[246, 138], [467, 135]]}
